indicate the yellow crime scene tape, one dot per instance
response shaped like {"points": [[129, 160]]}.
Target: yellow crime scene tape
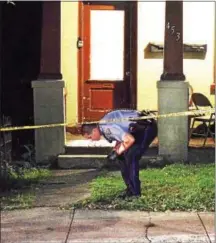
{"points": [[175, 114]]}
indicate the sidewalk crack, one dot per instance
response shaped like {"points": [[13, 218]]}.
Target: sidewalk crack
{"points": [[204, 228], [147, 226], [71, 222]]}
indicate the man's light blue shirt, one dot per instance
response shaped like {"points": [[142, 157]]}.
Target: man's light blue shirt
{"points": [[115, 130]]}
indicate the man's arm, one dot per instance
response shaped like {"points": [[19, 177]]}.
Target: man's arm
{"points": [[120, 147], [127, 142]]}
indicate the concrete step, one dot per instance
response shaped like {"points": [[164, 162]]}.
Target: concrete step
{"points": [[88, 159], [82, 146], [85, 154], [87, 150], [100, 150], [99, 161]]}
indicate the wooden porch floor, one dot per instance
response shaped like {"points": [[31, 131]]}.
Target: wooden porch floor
{"points": [[73, 140]]}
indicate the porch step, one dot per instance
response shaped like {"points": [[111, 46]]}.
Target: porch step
{"points": [[100, 150], [88, 161], [87, 150], [85, 154], [150, 159]]}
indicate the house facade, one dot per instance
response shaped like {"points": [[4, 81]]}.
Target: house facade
{"points": [[94, 47], [73, 61]]}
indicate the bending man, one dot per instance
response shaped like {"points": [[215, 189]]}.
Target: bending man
{"points": [[132, 137]]}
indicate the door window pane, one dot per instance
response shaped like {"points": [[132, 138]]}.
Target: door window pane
{"points": [[107, 45]]}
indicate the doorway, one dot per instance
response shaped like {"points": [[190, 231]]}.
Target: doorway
{"points": [[107, 52]]}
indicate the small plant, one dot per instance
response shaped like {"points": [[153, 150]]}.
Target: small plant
{"points": [[28, 154]]}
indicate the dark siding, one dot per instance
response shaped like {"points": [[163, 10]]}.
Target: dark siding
{"points": [[21, 41]]}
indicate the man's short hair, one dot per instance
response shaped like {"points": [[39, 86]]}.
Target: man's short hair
{"points": [[87, 128]]}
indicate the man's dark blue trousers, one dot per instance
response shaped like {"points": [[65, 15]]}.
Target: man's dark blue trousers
{"points": [[129, 164]]}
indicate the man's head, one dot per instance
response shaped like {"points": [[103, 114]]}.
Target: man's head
{"points": [[91, 131]]}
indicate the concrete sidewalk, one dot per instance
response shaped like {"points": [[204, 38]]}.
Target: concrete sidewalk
{"points": [[64, 187], [50, 224]]}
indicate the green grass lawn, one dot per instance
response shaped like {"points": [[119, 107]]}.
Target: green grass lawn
{"points": [[22, 188], [175, 187]]}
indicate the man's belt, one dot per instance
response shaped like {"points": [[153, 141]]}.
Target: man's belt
{"points": [[139, 125]]}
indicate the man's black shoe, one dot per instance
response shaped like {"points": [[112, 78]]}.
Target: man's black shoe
{"points": [[125, 194]]}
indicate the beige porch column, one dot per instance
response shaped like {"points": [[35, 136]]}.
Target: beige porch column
{"points": [[172, 89], [48, 89]]}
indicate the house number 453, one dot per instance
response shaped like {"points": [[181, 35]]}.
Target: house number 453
{"points": [[172, 29]]}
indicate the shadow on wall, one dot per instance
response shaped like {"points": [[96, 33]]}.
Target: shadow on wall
{"points": [[191, 51], [21, 43]]}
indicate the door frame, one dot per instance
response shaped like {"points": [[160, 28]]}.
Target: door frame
{"points": [[133, 58]]}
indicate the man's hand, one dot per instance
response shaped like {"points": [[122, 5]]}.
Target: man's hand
{"points": [[118, 144], [127, 142], [120, 148]]}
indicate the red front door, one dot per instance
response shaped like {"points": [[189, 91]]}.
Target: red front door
{"points": [[107, 58]]}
